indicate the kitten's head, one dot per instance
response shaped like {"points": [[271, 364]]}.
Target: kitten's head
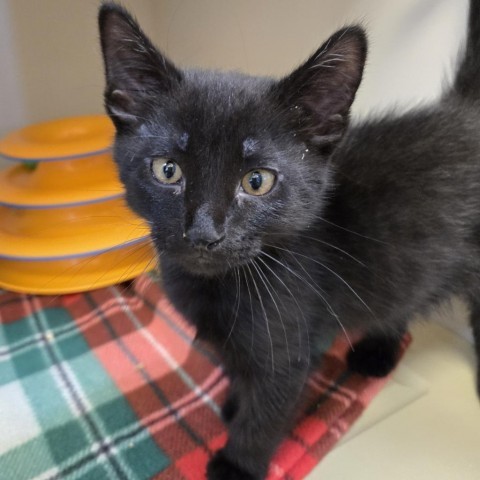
{"points": [[221, 164]]}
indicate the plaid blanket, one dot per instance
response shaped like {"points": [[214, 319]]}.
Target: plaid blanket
{"points": [[110, 384]]}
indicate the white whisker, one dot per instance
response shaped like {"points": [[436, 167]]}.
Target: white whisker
{"points": [[299, 308], [251, 309], [319, 293], [360, 299], [265, 316], [237, 303], [267, 283]]}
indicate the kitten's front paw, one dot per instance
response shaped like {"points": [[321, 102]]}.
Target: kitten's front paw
{"points": [[229, 409], [220, 468], [373, 357]]}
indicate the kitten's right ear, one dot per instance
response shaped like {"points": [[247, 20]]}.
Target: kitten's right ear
{"points": [[136, 72], [320, 92]]}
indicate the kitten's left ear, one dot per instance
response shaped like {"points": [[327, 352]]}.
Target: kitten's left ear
{"points": [[320, 92], [136, 72]]}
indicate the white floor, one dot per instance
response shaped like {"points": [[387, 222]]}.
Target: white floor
{"points": [[425, 424]]}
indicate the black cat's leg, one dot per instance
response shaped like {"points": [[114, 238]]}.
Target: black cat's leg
{"points": [[262, 418], [376, 354], [230, 407], [475, 322]]}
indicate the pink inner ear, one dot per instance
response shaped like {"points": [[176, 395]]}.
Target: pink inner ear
{"points": [[120, 106], [337, 71], [325, 85], [133, 66], [120, 96]]}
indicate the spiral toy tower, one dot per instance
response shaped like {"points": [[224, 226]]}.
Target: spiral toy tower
{"points": [[64, 225]]}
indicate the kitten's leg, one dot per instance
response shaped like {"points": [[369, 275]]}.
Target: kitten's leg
{"points": [[376, 354], [230, 407], [475, 322], [265, 410]]}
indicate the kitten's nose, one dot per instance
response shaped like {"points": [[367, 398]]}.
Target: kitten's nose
{"points": [[202, 232], [203, 239]]}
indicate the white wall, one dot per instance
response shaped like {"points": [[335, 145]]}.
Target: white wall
{"points": [[56, 63], [12, 109], [51, 62], [412, 42]]}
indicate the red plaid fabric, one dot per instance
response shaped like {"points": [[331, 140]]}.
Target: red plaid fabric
{"points": [[110, 384]]}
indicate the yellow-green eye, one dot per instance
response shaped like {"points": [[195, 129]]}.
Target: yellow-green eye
{"points": [[258, 182], [166, 171]]}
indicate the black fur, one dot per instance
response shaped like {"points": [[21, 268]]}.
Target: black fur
{"points": [[364, 227]]}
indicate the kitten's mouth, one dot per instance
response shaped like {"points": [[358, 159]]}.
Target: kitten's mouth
{"points": [[209, 264], [202, 263]]}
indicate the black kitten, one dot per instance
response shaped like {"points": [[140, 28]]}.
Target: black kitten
{"points": [[277, 227]]}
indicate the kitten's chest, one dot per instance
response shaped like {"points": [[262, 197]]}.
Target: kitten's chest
{"points": [[204, 303]]}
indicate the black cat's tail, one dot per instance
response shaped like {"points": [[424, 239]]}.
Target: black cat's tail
{"points": [[467, 79]]}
